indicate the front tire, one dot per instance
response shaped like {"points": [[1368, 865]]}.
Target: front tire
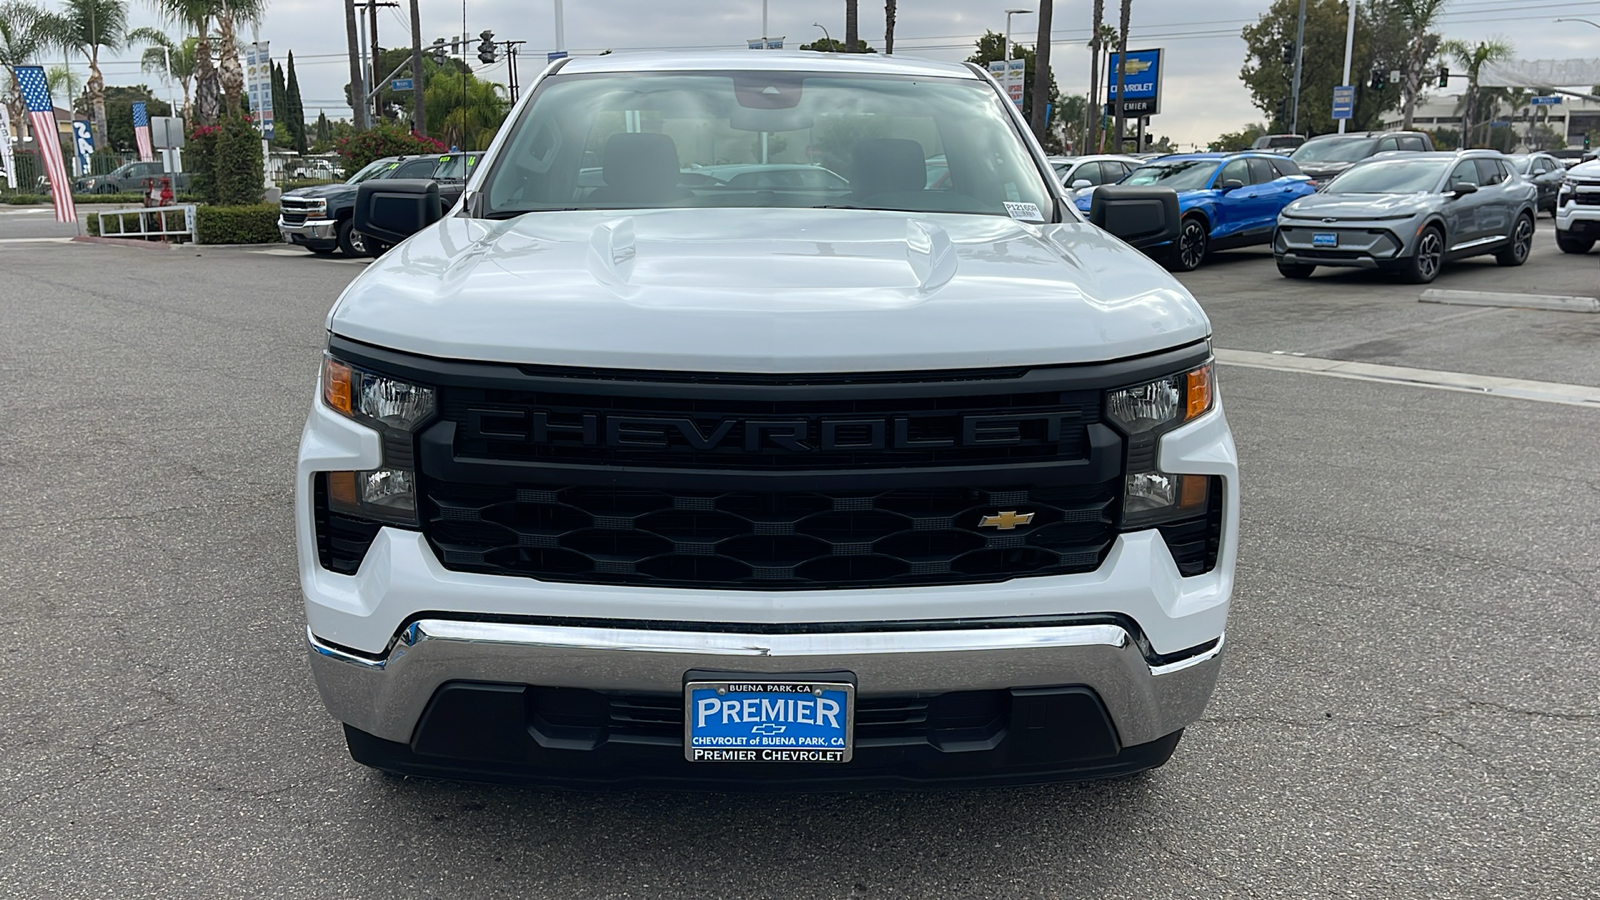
{"points": [[1575, 245], [1424, 265], [1516, 253], [1189, 252], [1296, 271], [350, 243]]}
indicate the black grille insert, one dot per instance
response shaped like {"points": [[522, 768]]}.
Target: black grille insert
{"points": [[767, 540], [342, 541]]}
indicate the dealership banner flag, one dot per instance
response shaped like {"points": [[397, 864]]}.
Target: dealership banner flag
{"points": [[141, 132], [8, 159], [42, 118]]}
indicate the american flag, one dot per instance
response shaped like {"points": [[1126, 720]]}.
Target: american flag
{"points": [[42, 116], [141, 132]]}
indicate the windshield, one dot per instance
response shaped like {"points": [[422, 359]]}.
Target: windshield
{"points": [[765, 139], [1180, 175], [456, 168], [1334, 151], [1390, 176], [1521, 163], [371, 169]]}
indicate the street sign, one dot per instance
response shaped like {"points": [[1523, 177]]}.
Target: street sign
{"points": [[402, 84], [1344, 101], [1500, 124], [1545, 101], [1141, 82], [554, 55]]}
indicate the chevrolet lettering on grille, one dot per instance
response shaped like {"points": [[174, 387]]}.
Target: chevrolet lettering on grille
{"points": [[752, 435]]}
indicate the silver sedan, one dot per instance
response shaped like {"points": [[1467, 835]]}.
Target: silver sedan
{"points": [[1410, 215]]}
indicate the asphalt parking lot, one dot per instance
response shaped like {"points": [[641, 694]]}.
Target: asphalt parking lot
{"points": [[1409, 707]]}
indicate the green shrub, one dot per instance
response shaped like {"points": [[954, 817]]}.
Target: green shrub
{"points": [[26, 199], [254, 224], [386, 138], [225, 160]]}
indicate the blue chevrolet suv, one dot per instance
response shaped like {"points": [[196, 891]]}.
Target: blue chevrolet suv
{"points": [[1227, 199]]}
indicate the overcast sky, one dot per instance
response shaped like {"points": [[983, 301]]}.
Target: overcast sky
{"points": [[1204, 96]]}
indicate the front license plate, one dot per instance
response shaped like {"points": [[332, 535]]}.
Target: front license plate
{"points": [[769, 721], [1325, 239]]}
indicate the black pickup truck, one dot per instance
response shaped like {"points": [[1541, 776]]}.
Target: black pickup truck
{"points": [[318, 218]]}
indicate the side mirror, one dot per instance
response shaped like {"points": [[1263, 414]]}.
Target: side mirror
{"points": [[1142, 216], [1462, 188], [391, 210], [1082, 183], [1232, 184]]}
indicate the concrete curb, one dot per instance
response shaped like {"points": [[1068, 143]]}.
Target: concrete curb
{"points": [[126, 242], [1514, 301]]}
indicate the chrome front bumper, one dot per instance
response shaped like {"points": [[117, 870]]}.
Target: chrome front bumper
{"points": [[386, 696], [310, 230]]}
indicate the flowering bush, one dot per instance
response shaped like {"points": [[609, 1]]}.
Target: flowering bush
{"points": [[226, 162], [386, 138]]}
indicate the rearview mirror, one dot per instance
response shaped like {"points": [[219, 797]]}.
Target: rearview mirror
{"points": [[1082, 183], [1142, 216], [1232, 184], [1462, 188], [391, 210]]}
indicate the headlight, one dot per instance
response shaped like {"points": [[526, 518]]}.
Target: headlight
{"points": [[1149, 406], [1144, 412], [392, 406]]}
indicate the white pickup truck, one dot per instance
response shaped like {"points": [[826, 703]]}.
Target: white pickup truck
{"points": [[765, 420]]}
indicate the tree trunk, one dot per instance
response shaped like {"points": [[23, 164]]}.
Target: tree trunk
{"points": [[850, 36], [96, 86], [888, 27], [207, 90], [1091, 118], [357, 108], [232, 74], [1038, 118], [1122, 69], [188, 104]]}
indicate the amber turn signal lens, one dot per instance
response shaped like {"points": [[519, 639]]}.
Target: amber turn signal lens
{"points": [[1199, 393], [336, 385], [1192, 494], [342, 491]]}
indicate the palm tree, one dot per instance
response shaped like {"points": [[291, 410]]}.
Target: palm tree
{"points": [[1418, 17], [889, 8], [1092, 114], [162, 51], [26, 32], [1122, 68], [63, 79], [1471, 57], [91, 25], [222, 83], [229, 14], [850, 26], [467, 115]]}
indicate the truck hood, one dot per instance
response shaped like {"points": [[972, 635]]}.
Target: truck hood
{"points": [[323, 190], [1324, 169], [767, 291]]}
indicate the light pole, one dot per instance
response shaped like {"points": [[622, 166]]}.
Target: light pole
{"points": [[1009, 14], [1349, 45], [1584, 21], [561, 29], [826, 37]]}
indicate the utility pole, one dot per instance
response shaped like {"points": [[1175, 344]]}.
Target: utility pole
{"points": [[377, 86], [1039, 120], [1299, 58], [358, 90], [1349, 44], [419, 114]]}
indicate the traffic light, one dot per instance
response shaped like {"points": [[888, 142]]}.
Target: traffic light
{"points": [[437, 51], [1585, 141], [1380, 79], [1444, 77], [486, 47], [1288, 54]]}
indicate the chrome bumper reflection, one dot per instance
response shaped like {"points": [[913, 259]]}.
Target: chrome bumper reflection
{"points": [[314, 229], [386, 696]]}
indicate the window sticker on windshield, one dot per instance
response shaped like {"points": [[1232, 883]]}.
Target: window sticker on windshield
{"points": [[1024, 212]]}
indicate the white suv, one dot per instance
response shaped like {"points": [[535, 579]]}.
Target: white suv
{"points": [[1578, 209], [623, 473]]}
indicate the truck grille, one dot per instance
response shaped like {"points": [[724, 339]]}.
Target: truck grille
{"points": [[767, 540], [294, 211]]}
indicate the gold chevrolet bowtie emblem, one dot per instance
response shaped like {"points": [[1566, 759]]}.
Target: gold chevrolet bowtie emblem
{"points": [[1006, 521]]}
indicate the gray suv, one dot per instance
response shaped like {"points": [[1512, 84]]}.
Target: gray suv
{"points": [[1325, 156], [1409, 214], [131, 178]]}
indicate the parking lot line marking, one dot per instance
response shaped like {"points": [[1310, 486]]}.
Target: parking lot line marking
{"points": [[1513, 300], [36, 240], [1488, 385]]}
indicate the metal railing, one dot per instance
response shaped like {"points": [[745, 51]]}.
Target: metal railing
{"points": [[149, 223]]}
